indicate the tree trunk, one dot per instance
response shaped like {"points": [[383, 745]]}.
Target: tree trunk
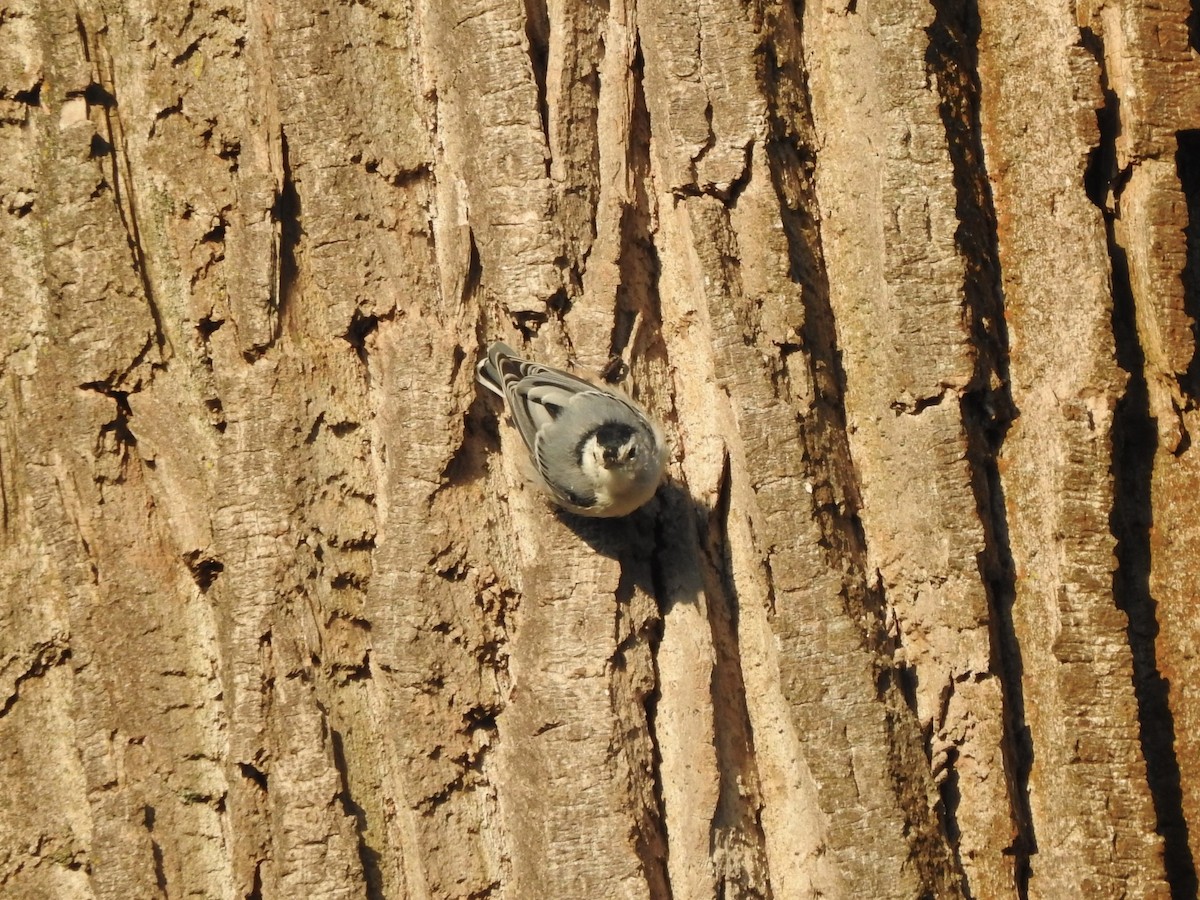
{"points": [[913, 287]]}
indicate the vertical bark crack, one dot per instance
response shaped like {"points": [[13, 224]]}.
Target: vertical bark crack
{"points": [[368, 856], [1135, 445], [651, 842], [986, 405], [640, 568], [287, 212], [101, 93], [1187, 163], [537, 30], [637, 291], [737, 817]]}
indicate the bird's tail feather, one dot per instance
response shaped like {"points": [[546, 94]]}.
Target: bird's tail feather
{"points": [[488, 370]]}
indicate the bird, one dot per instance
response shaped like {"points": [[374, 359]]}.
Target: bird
{"points": [[593, 451]]}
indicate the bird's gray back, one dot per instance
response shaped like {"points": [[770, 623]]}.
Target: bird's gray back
{"points": [[556, 447]]}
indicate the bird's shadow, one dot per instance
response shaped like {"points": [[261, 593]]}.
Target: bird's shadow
{"points": [[652, 544]]}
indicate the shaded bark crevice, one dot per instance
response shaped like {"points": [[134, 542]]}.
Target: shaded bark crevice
{"points": [[791, 161], [537, 32], [287, 213], [1187, 163], [100, 93], [1135, 446], [791, 152], [986, 404], [369, 857], [737, 813], [637, 289], [652, 843]]}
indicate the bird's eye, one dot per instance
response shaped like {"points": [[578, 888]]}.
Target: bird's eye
{"points": [[632, 452]]}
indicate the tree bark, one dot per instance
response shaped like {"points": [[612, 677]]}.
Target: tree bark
{"points": [[913, 287]]}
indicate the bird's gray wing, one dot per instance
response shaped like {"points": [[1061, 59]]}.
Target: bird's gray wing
{"points": [[536, 394]]}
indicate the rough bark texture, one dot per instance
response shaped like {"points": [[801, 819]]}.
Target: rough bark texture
{"points": [[913, 285]]}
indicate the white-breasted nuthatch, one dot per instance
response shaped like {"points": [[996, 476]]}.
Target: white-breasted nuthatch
{"points": [[593, 450]]}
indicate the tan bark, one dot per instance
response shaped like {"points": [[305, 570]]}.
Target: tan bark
{"points": [[913, 288]]}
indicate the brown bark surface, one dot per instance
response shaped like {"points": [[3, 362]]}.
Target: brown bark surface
{"points": [[913, 287]]}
